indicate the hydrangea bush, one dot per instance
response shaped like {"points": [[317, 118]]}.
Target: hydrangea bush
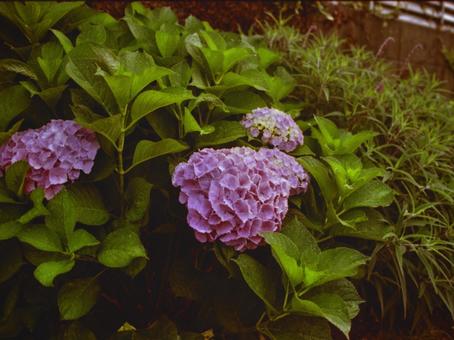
{"points": [[236, 194], [275, 127], [56, 154], [143, 190]]}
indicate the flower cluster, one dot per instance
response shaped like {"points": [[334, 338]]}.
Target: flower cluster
{"points": [[275, 127], [56, 153], [235, 194]]}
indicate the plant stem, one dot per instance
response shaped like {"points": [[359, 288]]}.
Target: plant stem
{"points": [[120, 162]]}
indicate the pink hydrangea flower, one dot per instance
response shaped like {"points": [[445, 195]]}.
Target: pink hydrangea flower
{"points": [[275, 127], [56, 153], [235, 194]]}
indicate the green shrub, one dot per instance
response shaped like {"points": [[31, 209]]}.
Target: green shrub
{"points": [[413, 125]]}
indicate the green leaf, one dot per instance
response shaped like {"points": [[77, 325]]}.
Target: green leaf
{"points": [[346, 290], [146, 150], [267, 57], [374, 228], [10, 229], [260, 279], [225, 132], [37, 197], [109, 127], [297, 327], [15, 177], [80, 239], [50, 59], [138, 200], [64, 40], [17, 66], [13, 101], [372, 194], [62, 214], [89, 205], [234, 55], [328, 129], [84, 61], [77, 297], [52, 95], [308, 250], [167, 42], [337, 263], [149, 101], [321, 175], [42, 238], [243, 101], [10, 260], [190, 124], [120, 247], [136, 71], [349, 142], [46, 272], [4, 136], [287, 255], [326, 305]]}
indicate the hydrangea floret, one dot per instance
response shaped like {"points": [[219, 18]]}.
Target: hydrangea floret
{"points": [[275, 127], [57, 153], [236, 194]]}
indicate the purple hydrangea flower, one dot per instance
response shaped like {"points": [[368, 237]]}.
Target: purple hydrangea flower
{"points": [[235, 194], [275, 127], [56, 153]]}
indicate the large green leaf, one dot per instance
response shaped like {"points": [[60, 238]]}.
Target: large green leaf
{"points": [[120, 247], [190, 124], [46, 272], [77, 297], [137, 200], [321, 175], [109, 127], [308, 249], [10, 229], [147, 149], [287, 255], [260, 279], [167, 42], [42, 238], [65, 42], [346, 290], [15, 177], [35, 18], [327, 305], [136, 71], [89, 205], [84, 61], [17, 66], [337, 263], [225, 132], [62, 214], [50, 59], [297, 327], [374, 228], [149, 101], [372, 194], [79, 239]]}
